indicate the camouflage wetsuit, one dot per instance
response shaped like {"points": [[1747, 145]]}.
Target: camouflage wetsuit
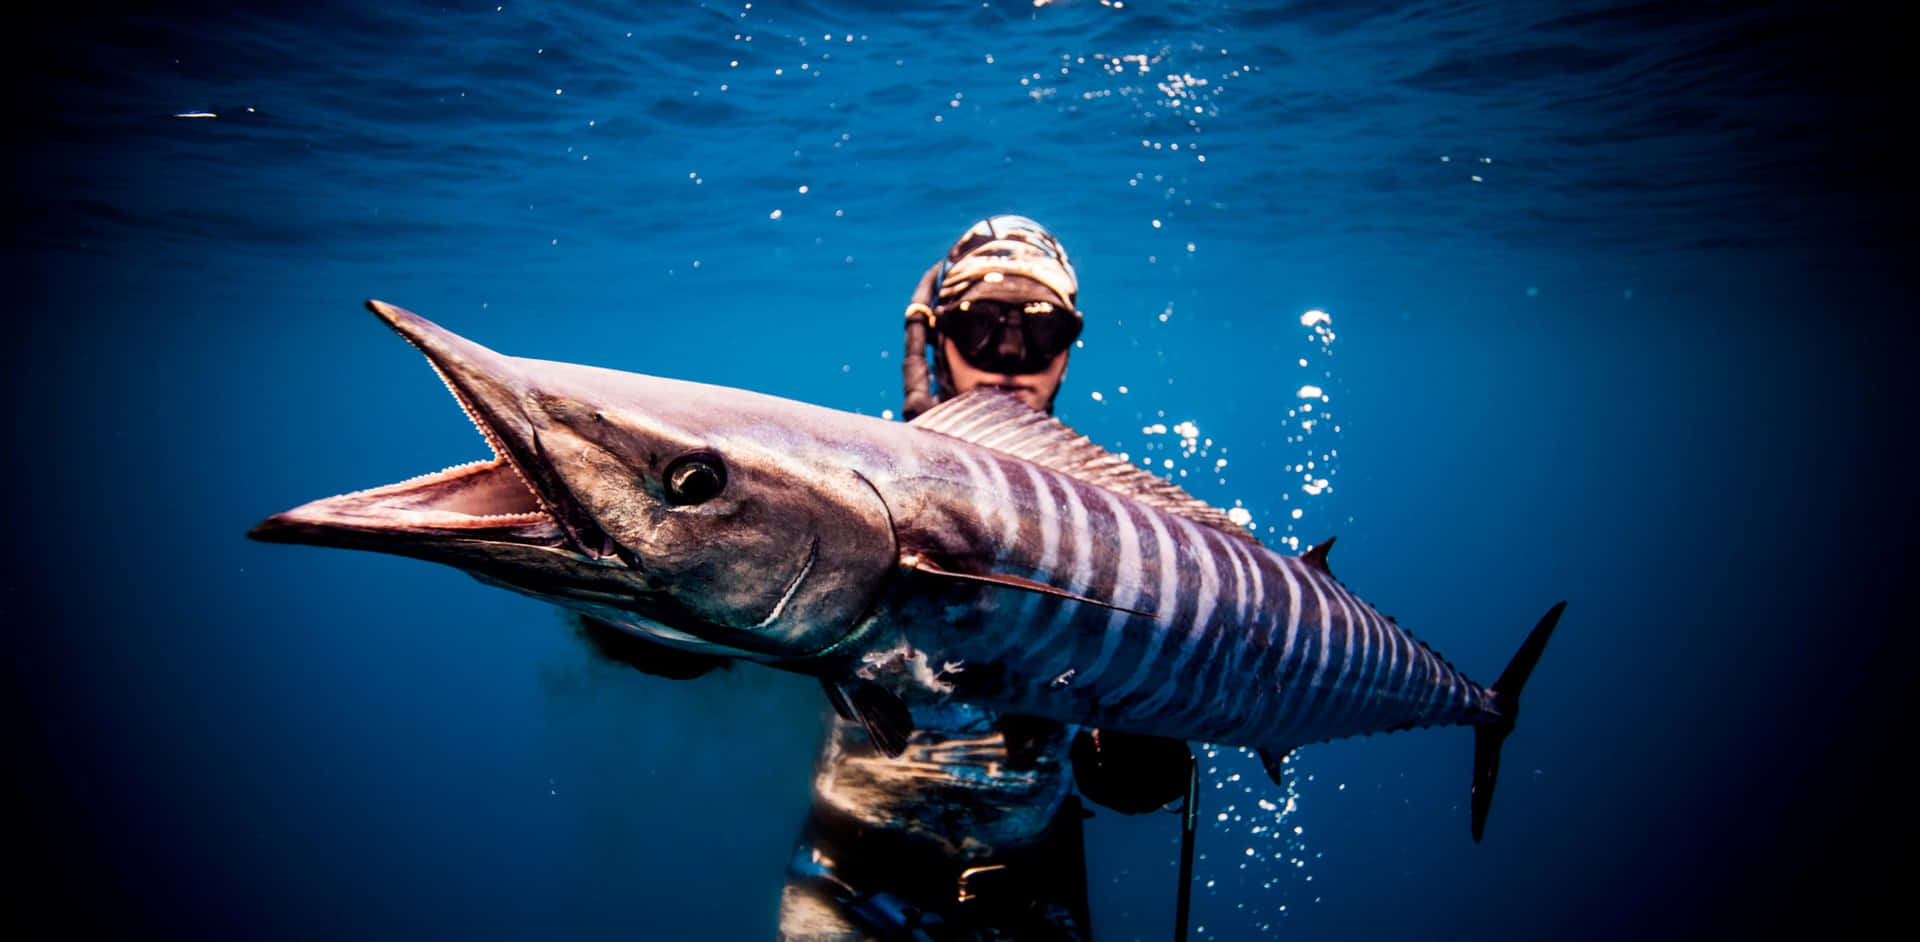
{"points": [[959, 837]]}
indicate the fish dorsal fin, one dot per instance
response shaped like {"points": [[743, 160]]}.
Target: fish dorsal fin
{"points": [[1316, 555], [996, 419]]}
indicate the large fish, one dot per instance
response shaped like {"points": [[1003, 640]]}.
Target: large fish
{"points": [[984, 551]]}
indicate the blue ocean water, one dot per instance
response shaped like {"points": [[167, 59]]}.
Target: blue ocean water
{"points": [[1612, 315]]}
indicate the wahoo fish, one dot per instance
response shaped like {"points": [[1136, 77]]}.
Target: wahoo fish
{"points": [[984, 552]]}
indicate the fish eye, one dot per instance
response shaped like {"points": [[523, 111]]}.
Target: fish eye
{"points": [[695, 478]]}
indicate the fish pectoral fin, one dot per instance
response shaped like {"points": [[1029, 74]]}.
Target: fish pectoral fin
{"points": [[841, 705], [887, 721], [920, 563], [1275, 761]]}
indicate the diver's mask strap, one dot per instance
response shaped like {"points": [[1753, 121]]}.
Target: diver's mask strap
{"points": [[915, 379]]}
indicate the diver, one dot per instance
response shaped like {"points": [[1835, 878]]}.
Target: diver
{"points": [[973, 832]]}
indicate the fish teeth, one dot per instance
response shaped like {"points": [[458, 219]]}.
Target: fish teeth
{"points": [[530, 517], [494, 443], [419, 479]]}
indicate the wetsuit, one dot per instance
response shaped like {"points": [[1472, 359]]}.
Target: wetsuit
{"points": [[960, 837]]}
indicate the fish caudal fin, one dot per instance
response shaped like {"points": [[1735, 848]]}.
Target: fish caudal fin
{"points": [[1506, 698]]}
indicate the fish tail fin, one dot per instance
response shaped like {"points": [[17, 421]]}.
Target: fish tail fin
{"points": [[1488, 738]]}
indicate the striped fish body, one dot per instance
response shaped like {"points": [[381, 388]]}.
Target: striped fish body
{"points": [[1184, 627], [984, 552]]}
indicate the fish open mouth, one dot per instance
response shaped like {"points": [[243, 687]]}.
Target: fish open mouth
{"points": [[481, 499], [491, 501]]}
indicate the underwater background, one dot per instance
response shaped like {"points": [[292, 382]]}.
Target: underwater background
{"points": [[1612, 313]]}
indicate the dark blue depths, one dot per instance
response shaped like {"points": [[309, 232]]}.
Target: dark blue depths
{"points": [[1614, 320]]}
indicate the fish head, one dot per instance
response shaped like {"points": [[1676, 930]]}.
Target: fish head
{"points": [[708, 518]]}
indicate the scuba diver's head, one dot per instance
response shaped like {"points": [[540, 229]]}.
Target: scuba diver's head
{"points": [[999, 310]]}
